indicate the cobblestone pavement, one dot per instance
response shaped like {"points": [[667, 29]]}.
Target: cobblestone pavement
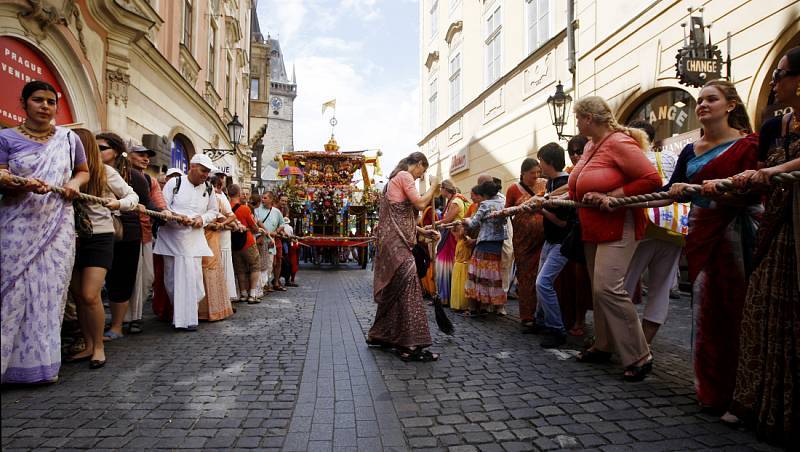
{"points": [[294, 373]]}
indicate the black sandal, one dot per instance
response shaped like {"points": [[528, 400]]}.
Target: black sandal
{"points": [[638, 373], [593, 356], [418, 354]]}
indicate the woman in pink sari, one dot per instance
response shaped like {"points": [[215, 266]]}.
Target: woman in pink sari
{"points": [[722, 230], [401, 321], [37, 236]]}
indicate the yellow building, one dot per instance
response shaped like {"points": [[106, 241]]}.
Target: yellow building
{"points": [[168, 74], [488, 67]]}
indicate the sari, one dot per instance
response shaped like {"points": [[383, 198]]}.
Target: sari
{"points": [[216, 304], [719, 247], [528, 239], [428, 282], [446, 250], [401, 319], [37, 239], [767, 393]]}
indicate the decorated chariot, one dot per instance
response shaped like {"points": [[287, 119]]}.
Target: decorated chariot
{"points": [[332, 211]]}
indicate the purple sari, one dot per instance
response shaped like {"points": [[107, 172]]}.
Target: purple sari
{"points": [[37, 239]]}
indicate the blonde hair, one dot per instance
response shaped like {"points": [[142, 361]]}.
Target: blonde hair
{"points": [[602, 114], [737, 118]]}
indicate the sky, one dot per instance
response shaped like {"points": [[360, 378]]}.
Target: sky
{"points": [[363, 53]]}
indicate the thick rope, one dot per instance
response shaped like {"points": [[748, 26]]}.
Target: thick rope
{"points": [[538, 203]]}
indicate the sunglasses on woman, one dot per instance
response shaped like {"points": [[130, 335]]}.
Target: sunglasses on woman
{"points": [[104, 147], [779, 73]]}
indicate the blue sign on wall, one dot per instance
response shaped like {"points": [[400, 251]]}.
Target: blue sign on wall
{"points": [[178, 157]]}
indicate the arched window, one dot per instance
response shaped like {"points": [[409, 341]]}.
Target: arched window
{"points": [[670, 112], [182, 151]]}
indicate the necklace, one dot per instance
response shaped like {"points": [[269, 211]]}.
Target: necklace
{"points": [[37, 135]]}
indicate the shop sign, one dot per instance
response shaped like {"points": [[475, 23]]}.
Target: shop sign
{"points": [[676, 143], [459, 161], [19, 64], [698, 61]]}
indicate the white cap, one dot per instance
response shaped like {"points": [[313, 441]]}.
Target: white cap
{"points": [[202, 159], [172, 171]]}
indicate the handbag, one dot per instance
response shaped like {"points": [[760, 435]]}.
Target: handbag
{"points": [[118, 229], [83, 224], [669, 223], [421, 259]]}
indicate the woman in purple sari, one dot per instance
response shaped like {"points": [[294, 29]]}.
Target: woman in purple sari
{"points": [[401, 321], [37, 237]]}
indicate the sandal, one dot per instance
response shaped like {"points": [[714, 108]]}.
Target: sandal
{"points": [[111, 336], [638, 373], [418, 354], [593, 356], [577, 331], [135, 328], [282, 289]]}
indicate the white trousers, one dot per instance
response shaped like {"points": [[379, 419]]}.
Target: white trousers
{"points": [[507, 258], [230, 276], [183, 278], [660, 258], [266, 275], [143, 284]]}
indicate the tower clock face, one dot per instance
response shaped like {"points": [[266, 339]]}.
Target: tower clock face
{"points": [[277, 103]]}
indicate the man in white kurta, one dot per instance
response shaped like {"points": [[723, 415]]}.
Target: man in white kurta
{"points": [[183, 243]]}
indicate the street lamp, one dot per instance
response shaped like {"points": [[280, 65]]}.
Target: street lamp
{"points": [[559, 109], [234, 135]]}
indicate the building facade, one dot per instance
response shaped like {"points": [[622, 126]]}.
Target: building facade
{"points": [[488, 67], [259, 97], [167, 74], [280, 113]]}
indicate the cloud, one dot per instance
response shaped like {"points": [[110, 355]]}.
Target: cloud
{"points": [[369, 115], [283, 17]]}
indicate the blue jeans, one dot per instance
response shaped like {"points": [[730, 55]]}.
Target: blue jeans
{"points": [[551, 263]]}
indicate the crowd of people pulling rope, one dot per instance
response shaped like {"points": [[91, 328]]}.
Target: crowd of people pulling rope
{"points": [[581, 238], [577, 239]]}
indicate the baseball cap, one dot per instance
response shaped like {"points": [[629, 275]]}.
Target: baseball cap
{"points": [[202, 159], [172, 171], [138, 148]]}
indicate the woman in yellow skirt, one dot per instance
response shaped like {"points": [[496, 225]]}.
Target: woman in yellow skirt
{"points": [[458, 301]]}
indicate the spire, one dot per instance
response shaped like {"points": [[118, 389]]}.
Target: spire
{"points": [[255, 27], [294, 75]]}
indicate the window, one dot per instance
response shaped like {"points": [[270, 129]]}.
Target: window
{"points": [[228, 83], [432, 103], [494, 61], [212, 54], [187, 24], [538, 23], [455, 83], [253, 88], [434, 18]]}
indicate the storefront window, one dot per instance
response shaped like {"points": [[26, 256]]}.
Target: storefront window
{"points": [[670, 112], [179, 157]]}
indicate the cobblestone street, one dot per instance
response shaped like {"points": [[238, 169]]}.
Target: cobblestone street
{"points": [[293, 373]]}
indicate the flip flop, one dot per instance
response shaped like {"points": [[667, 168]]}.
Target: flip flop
{"points": [[111, 336], [577, 331]]}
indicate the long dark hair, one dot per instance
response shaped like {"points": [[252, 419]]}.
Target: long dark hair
{"points": [[412, 159], [121, 163]]}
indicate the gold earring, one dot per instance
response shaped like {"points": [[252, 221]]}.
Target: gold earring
{"points": [[797, 91]]}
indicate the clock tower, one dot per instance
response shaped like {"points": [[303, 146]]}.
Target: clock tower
{"points": [[279, 136]]}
